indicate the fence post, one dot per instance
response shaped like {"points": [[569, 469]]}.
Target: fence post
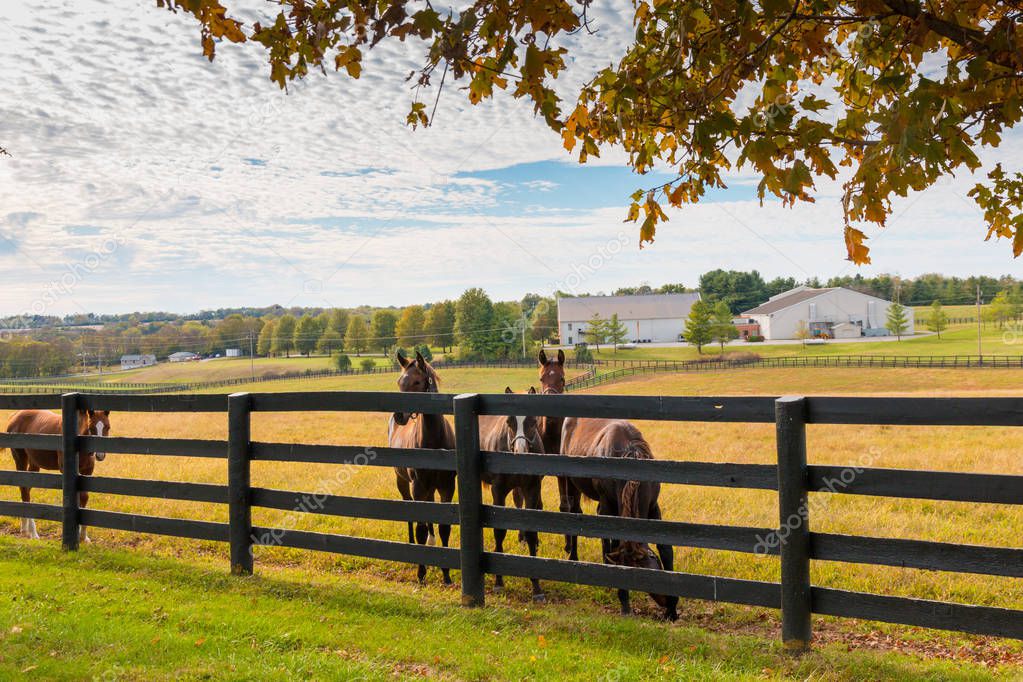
{"points": [[794, 531], [470, 499], [69, 483], [239, 482]]}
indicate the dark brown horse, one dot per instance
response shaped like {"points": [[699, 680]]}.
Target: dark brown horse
{"points": [[552, 379], [633, 499], [520, 435], [90, 422], [407, 430]]}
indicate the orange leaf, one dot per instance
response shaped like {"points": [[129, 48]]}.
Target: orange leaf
{"points": [[854, 245]]}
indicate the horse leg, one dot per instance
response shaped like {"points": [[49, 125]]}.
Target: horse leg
{"points": [[406, 494], [83, 500], [534, 500], [28, 526], [519, 502], [500, 494], [571, 502], [608, 546], [667, 554], [421, 493], [447, 493]]}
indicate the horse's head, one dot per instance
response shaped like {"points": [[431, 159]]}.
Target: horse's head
{"points": [[639, 555], [552, 372], [524, 433], [417, 376], [98, 425]]}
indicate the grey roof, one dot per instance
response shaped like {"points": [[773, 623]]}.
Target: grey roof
{"points": [[643, 307], [784, 301]]}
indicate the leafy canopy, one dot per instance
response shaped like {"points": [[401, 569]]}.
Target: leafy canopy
{"points": [[884, 96]]}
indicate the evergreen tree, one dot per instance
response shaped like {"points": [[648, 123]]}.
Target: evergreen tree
{"points": [[722, 328], [698, 330], [596, 331], [617, 332], [897, 320]]}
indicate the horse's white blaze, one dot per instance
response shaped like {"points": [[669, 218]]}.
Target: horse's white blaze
{"points": [[100, 430], [520, 444]]}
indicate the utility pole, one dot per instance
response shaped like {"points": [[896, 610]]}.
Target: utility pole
{"points": [[523, 335], [980, 350], [252, 358]]}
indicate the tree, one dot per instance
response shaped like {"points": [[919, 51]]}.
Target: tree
{"points": [[382, 329], [264, 345], [722, 328], [1000, 308], [474, 323], [544, 320], [439, 325], [329, 342], [678, 95], [357, 335], [938, 320], [342, 362], [411, 325], [284, 336], [698, 330], [596, 331], [338, 321], [803, 332], [307, 333], [897, 320], [617, 332]]}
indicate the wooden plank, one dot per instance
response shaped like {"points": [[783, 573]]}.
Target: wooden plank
{"points": [[929, 485], [932, 556], [356, 507], [164, 490], [172, 447], [239, 482], [172, 402], [712, 588], [353, 401], [470, 500], [759, 476], [31, 441], [32, 510], [31, 479], [50, 401], [916, 411], [731, 538], [69, 404], [442, 557], [442, 460], [978, 620], [701, 409], [793, 535], [156, 525]]}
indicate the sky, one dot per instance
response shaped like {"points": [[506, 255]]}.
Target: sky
{"points": [[144, 177]]}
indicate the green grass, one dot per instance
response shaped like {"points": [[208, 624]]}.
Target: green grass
{"points": [[112, 614], [961, 340]]}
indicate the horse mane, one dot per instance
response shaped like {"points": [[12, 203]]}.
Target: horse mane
{"points": [[637, 448]]}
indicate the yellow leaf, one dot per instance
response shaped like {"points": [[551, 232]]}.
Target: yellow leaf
{"points": [[541, 641], [854, 245]]}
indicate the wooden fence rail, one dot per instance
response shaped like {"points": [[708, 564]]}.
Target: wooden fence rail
{"points": [[792, 542]]}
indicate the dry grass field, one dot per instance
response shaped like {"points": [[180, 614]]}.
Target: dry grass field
{"points": [[994, 450]]}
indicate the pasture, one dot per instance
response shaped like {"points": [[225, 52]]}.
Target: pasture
{"points": [[993, 450]]}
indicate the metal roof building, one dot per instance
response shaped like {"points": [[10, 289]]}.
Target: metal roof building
{"points": [[648, 318]]}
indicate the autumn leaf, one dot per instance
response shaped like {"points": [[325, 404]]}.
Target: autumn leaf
{"points": [[856, 248]]}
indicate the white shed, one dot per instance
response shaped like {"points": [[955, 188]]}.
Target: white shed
{"points": [[834, 312]]}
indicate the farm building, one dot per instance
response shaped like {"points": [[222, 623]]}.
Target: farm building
{"points": [[134, 361], [647, 318], [833, 313], [182, 356], [233, 353]]}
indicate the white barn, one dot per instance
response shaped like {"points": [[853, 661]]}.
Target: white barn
{"points": [[656, 318], [834, 312], [135, 361]]}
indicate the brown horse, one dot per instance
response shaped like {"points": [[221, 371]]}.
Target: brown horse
{"points": [[520, 435], [407, 430], [552, 379], [90, 422], [633, 499]]}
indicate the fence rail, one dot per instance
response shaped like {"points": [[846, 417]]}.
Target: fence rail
{"points": [[792, 542]]}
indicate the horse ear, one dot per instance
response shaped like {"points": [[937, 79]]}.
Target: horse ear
{"points": [[532, 390], [561, 357], [507, 389], [542, 358], [420, 360], [402, 360]]}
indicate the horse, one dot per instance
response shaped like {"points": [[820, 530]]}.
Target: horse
{"points": [[552, 379], [409, 430], [520, 435], [90, 422], [632, 499]]}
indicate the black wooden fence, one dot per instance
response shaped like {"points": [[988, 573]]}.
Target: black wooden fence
{"points": [[792, 478]]}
